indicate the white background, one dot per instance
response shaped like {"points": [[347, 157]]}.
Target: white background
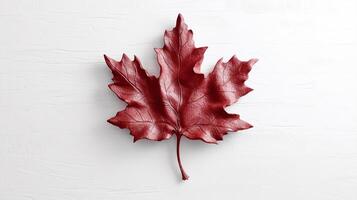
{"points": [[55, 142]]}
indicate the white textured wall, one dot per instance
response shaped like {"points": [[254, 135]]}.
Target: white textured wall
{"points": [[54, 101]]}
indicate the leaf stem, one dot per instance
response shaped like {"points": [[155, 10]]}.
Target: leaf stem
{"points": [[183, 173]]}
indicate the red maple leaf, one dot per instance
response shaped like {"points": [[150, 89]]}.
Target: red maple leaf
{"points": [[181, 101]]}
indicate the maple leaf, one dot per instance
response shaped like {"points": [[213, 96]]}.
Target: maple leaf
{"points": [[181, 101]]}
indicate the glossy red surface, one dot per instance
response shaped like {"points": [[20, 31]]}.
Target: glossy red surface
{"points": [[181, 101]]}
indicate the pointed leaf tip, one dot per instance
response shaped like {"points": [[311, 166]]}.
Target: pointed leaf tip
{"points": [[110, 62], [180, 20], [180, 16], [253, 61]]}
